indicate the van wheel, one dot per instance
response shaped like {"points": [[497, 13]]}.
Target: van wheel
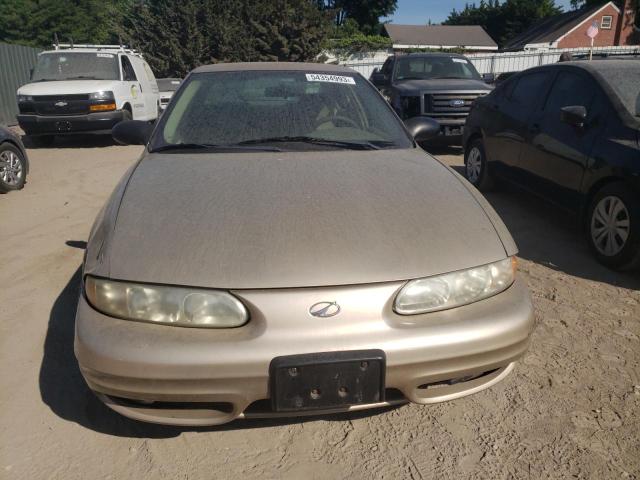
{"points": [[13, 168], [614, 227], [126, 115], [476, 168], [41, 141]]}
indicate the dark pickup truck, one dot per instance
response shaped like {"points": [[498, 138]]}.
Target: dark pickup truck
{"points": [[442, 86]]}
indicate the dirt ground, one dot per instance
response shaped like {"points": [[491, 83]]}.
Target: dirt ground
{"points": [[571, 409]]}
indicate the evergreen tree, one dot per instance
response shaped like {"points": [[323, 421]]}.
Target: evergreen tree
{"points": [[34, 22], [366, 13]]}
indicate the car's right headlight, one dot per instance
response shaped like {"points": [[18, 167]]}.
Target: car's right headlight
{"points": [[167, 305], [455, 289], [25, 98]]}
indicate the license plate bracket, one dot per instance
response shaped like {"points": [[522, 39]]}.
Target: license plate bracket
{"points": [[327, 380]]}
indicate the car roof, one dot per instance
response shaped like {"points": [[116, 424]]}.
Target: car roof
{"points": [[593, 65], [274, 66]]}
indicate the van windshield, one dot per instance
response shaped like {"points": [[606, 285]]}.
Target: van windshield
{"points": [[76, 66]]}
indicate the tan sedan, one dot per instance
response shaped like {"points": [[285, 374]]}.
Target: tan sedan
{"points": [[284, 247]]}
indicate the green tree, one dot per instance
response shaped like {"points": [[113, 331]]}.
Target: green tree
{"points": [[504, 21], [179, 35], [366, 13], [34, 22]]}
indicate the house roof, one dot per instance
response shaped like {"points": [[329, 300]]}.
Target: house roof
{"points": [[440, 35], [551, 29]]}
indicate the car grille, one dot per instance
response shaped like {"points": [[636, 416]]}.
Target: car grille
{"points": [[61, 104], [450, 104]]}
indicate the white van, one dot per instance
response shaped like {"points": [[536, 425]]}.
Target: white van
{"points": [[86, 89]]}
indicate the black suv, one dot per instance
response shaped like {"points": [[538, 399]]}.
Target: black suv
{"points": [[442, 86]]}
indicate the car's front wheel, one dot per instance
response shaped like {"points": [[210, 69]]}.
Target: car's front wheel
{"points": [[13, 169], [476, 168], [614, 227]]}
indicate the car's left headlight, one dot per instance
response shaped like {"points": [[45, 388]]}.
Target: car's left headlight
{"points": [[180, 306], [455, 289]]}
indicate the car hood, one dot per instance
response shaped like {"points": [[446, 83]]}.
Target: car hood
{"points": [[66, 87], [407, 87], [295, 219]]}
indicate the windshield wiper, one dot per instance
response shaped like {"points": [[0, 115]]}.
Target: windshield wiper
{"points": [[210, 146], [315, 141], [46, 80], [451, 78]]}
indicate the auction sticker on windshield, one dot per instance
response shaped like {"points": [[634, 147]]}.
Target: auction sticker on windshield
{"points": [[319, 77]]}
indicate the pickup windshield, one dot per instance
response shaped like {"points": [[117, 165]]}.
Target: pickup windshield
{"points": [[287, 110], [76, 66], [435, 67]]}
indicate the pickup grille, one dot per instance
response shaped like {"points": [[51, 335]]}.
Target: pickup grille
{"points": [[450, 104], [67, 104]]}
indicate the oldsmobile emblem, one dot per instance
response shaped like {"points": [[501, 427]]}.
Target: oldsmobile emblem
{"points": [[456, 103], [61, 103], [324, 309]]}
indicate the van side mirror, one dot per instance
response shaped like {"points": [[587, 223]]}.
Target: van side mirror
{"points": [[575, 115], [132, 132], [379, 79], [488, 78], [423, 128]]}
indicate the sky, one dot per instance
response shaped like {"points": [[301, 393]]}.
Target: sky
{"points": [[418, 12]]}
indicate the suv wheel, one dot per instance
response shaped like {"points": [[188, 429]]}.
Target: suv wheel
{"points": [[13, 169], [476, 168], [614, 227]]}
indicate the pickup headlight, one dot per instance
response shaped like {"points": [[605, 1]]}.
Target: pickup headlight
{"points": [[185, 307], [106, 95], [455, 289], [25, 98]]}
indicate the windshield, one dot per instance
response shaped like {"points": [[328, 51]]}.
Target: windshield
{"points": [[291, 110], [624, 78], [76, 66], [428, 68]]}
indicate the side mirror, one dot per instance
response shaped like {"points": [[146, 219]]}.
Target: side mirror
{"points": [[379, 79], [375, 70], [488, 77], [132, 132], [423, 128], [574, 115]]}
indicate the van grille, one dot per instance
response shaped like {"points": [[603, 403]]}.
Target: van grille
{"points": [[61, 104], [450, 104]]}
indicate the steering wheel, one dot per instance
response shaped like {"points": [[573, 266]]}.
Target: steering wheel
{"points": [[333, 118]]}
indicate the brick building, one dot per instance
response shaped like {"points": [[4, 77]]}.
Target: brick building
{"points": [[568, 30]]}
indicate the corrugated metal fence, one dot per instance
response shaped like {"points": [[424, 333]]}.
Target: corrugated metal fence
{"points": [[496, 63], [16, 63]]}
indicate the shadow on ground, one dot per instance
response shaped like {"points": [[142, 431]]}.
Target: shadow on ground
{"points": [[74, 141], [552, 237], [63, 389]]}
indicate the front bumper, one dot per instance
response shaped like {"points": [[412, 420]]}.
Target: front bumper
{"points": [[209, 377], [99, 122]]}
